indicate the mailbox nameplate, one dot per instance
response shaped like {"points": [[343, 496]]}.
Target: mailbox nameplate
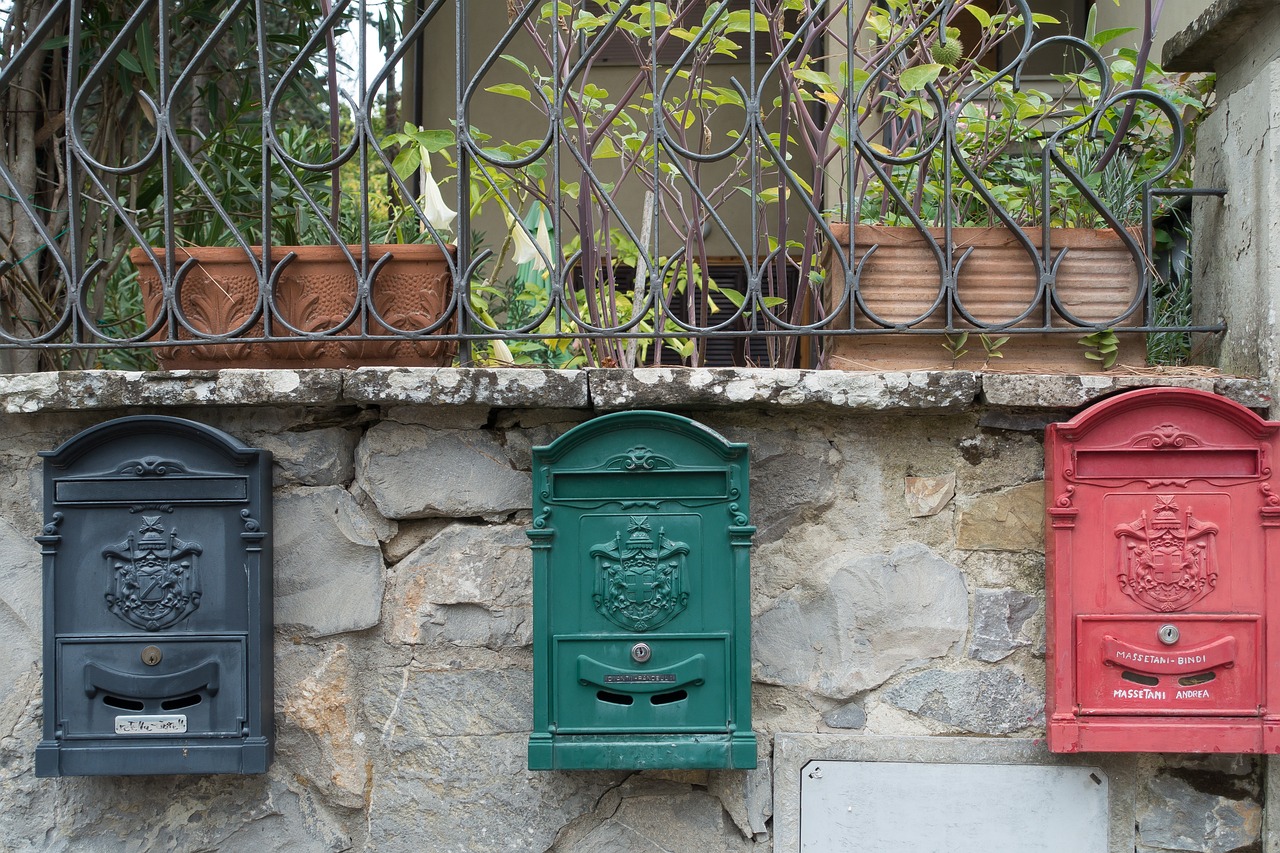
{"points": [[153, 724]]}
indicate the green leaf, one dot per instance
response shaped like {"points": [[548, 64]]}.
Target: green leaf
{"points": [[147, 51], [819, 77], [740, 22], [916, 78], [432, 141], [1108, 35], [129, 61], [407, 162], [514, 90], [984, 17], [517, 63]]}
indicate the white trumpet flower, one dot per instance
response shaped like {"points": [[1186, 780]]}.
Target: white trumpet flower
{"points": [[543, 241], [525, 251], [437, 212]]}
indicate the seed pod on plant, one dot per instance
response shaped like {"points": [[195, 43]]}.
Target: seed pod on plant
{"points": [[948, 52]]}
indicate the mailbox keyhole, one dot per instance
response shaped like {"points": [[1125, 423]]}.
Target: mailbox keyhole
{"points": [[182, 702], [668, 698], [123, 704], [614, 698], [1145, 680]]}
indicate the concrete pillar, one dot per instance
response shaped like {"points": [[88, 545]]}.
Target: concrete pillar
{"points": [[1237, 239]]}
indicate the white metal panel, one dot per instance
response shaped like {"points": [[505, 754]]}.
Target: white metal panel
{"points": [[899, 807]]}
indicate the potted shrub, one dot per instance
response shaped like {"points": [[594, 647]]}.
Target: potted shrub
{"points": [[989, 205], [337, 296]]}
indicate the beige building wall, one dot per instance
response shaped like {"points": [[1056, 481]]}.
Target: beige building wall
{"points": [[1177, 14]]}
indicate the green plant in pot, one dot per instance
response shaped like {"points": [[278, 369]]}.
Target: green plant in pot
{"points": [[278, 177], [987, 204]]}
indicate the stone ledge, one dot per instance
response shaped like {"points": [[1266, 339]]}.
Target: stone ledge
{"points": [[595, 389], [1215, 33], [672, 387], [117, 389], [468, 386], [1070, 391]]}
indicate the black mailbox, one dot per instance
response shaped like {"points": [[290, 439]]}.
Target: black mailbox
{"points": [[157, 602]]}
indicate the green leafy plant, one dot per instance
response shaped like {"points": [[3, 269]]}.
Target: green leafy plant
{"points": [[954, 345], [1103, 346], [991, 346]]}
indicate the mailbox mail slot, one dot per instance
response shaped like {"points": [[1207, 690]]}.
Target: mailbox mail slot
{"points": [[1162, 607], [641, 598], [157, 602]]}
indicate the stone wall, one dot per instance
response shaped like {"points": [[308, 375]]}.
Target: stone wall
{"points": [[898, 594]]}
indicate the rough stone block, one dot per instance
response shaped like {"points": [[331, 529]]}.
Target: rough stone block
{"points": [[20, 603], [992, 701], [926, 496], [319, 711], [1007, 520], [148, 813], [451, 769], [659, 816], [467, 586], [414, 472], [1174, 815], [850, 716], [875, 617], [320, 457], [792, 477], [328, 566], [999, 616]]}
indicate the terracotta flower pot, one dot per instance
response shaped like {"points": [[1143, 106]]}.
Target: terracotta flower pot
{"points": [[315, 291], [1097, 282]]}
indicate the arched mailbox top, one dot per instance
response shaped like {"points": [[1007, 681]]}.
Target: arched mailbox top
{"points": [[137, 427], [641, 456], [680, 436], [1188, 410]]}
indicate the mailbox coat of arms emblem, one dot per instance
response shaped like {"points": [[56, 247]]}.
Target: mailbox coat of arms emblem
{"points": [[639, 580], [1166, 559], [153, 577]]}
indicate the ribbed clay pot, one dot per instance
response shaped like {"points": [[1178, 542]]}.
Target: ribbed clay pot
{"points": [[1097, 282], [315, 291]]}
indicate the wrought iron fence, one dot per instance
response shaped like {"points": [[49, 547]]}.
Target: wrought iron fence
{"points": [[603, 181]]}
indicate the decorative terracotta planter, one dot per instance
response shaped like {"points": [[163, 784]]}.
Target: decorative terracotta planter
{"points": [[1096, 282], [315, 291]]}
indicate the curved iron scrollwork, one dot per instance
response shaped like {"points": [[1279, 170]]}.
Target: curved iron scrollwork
{"points": [[740, 133]]}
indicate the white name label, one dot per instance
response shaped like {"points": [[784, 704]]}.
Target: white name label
{"points": [[152, 724]]}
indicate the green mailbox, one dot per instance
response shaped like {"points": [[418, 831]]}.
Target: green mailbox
{"points": [[641, 590]]}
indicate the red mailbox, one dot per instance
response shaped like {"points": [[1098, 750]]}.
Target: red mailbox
{"points": [[1163, 610]]}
